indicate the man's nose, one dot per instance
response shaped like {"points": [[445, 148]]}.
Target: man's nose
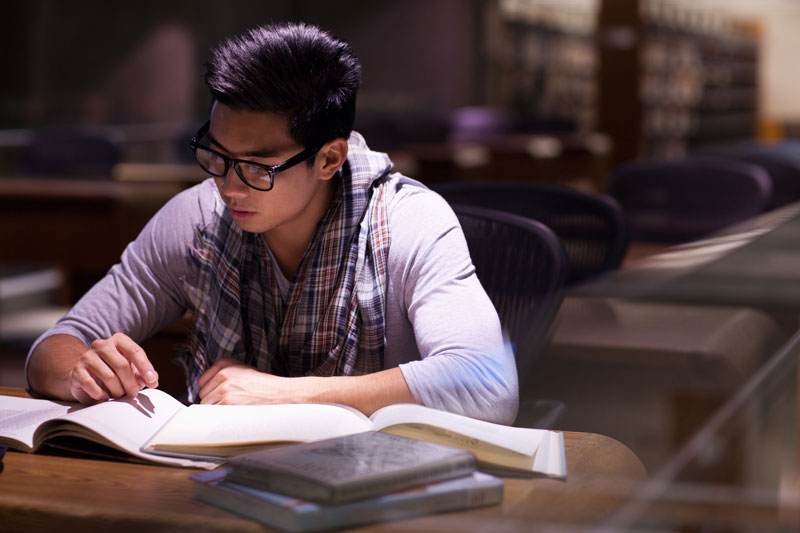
{"points": [[232, 185]]}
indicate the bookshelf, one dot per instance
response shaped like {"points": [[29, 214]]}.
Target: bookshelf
{"points": [[673, 78], [542, 61]]}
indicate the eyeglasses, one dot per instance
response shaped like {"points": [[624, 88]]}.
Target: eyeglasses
{"points": [[255, 175]]}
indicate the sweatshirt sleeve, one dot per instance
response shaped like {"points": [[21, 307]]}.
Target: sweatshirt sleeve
{"points": [[465, 366], [144, 291]]}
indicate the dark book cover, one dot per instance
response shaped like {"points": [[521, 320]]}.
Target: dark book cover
{"points": [[350, 467]]}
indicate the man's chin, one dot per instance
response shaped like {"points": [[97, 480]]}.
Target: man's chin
{"points": [[250, 226]]}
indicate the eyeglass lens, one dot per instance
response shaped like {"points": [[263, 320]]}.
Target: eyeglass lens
{"points": [[211, 162], [216, 165]]}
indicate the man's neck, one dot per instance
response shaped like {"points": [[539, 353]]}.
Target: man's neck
{"points": [[289, 242]]}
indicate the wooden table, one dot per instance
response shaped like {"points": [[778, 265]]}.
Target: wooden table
{"points": [[43, 492]]}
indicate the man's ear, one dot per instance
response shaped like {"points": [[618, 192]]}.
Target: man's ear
{"points": [[331, 157]]}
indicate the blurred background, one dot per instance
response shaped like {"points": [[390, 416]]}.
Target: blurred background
{"points": [[659, 76], [607, 120], [99, 101]]}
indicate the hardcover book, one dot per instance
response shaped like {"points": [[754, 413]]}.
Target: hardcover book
{"points": [[297, 515], [349, 467]]}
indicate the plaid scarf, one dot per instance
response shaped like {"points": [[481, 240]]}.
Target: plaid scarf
{"points": [[332, 322]]}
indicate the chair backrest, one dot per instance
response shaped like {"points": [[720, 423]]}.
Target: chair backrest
{"points": [[678, 201], [784, 172], [591, 227], [78, 152], [522, 266], [780, 160]]}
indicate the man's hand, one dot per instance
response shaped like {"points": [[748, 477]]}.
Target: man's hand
{"points": [[111, 368], [228, 381], [63, 367]]}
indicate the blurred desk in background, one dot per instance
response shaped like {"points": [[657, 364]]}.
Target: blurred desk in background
{"points": [[59, 237], [649, 353], [580, 161], [185, 174], [649, 373], [81, 226], [702, 489], [754, 264]]}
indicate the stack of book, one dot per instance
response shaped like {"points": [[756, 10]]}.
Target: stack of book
{"points": [[347, 481]]}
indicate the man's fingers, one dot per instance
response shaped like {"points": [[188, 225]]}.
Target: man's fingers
{"points": [[204, 382], [111, 368], [211, 371], [206, 376], [84, 388], [100, 366], [135, 354], [139, 381]]}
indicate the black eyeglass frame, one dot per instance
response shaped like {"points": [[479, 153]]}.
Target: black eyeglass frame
{"points": [[270, 170]]}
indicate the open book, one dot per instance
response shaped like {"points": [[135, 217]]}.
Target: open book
{"points": [[156, 427], [207, 431], [124, 425]]}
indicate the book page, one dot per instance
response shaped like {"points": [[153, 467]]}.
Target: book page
{"points": [[520, 440], [19, 418], [124, 423], [550, 457], [200, 426]]}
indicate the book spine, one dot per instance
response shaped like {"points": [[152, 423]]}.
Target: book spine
{"points": [[226, 496], [294, 515], [417, 504], [296, 486]]}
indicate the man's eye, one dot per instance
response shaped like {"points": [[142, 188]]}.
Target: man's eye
{"points": [[255, 173], [216, 161], [253, 170]]}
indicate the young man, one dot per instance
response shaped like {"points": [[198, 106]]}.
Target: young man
{"points": [[313, 273]]}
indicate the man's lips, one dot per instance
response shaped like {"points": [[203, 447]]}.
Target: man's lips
{"points": [[240, 214]]}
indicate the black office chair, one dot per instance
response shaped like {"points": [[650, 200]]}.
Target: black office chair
{"points": [[781, 164], [522, 266], [687, 199], [71, 151], [591, 227]]}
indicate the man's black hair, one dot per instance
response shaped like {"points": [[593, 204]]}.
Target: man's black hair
{"points": [[295, 69]]}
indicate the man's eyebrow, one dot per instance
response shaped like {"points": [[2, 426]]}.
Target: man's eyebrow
{"points": [[257, 153]]}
